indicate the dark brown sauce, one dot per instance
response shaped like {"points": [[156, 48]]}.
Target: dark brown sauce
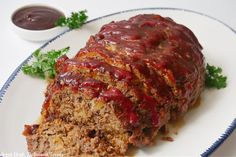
{"points": [[36, 17]]}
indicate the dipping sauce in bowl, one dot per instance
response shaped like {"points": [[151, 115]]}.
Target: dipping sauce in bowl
{"points": [[36, 22], [36, 17]]}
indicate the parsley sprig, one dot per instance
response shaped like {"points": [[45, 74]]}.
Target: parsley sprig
{"points": [[214, 78], [76, 20], [44, 63]]}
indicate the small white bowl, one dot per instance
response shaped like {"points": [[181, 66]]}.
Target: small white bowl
{"points": [[37, 35]]}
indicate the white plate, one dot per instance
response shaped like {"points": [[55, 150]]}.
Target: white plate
{"points": [[206, 126]]}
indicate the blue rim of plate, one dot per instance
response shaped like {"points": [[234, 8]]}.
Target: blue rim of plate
{"points": [[209, 150]]}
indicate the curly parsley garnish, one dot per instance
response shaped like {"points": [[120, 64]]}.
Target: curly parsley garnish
{"points": [[76, 20], [214, 78], [43, 67]]}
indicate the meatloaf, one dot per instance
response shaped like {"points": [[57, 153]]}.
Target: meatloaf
{"points": [[129, 81]]}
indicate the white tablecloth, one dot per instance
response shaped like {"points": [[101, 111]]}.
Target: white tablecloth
{"points": [[13, 50]]}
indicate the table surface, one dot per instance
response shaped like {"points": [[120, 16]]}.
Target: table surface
{"points": [[14, 49]]}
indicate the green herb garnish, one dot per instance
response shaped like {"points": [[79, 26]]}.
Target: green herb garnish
{"points": [[43, 67], [214, 78], [76, 20]]}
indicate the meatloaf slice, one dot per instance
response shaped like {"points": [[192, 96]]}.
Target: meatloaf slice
{"points": [[75, 121], [119, 90]]}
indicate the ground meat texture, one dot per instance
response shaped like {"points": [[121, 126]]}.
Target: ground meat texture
{"points": [[130, 79]]}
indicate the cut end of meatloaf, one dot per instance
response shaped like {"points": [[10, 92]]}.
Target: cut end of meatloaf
{"points": [[68, 139], [74, 124]]}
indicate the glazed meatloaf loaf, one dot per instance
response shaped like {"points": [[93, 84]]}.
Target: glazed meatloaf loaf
{"points": [[130, 80]]}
